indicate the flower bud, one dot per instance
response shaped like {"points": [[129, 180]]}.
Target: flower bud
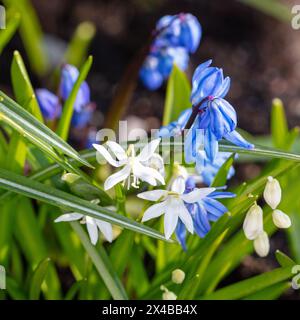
{"points": [[272, 193], [178, 276], [253, 223], [262, 244], [280, 219], [167, 295]]}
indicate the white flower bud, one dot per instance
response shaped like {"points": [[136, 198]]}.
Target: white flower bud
{"points": [[262, 244], [272, 193], [280, 219], [169, 295], [178, 276], [253, 223]]}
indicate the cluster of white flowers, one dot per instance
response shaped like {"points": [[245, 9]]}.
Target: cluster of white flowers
{"points": [[253, 223]]}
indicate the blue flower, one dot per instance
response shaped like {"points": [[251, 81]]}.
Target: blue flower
{"points": [[81, 118], [174, 38], [183, 30], [49, 104], [69, 75], [203, 212], [159, 63]]}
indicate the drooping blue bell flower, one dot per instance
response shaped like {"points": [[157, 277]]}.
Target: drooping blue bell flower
{"points": [[182, 29], [69, 75], [49, 104], [202, 212]]}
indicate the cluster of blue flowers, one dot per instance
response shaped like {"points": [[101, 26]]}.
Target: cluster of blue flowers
{"points": [[51, 104], [214, 119], [202, 212], [175, 37]]}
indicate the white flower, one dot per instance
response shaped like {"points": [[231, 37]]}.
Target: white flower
{"points": [[178, 276], [272, 193], [172, 205], [133, 166], [92, 225], [168, 295], [156, 162], [262, 244], [280, 219], [253, 223]]}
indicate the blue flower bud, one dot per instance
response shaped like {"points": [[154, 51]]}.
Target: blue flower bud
{"points": [[208, 82], [69, 75], [49, 104], [180, 30]]}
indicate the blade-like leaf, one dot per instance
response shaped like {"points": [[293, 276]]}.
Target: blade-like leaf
{"points": [[178, 95], [250, 286], [22, 121], [38, 278], [221, 177], [38, 191]]}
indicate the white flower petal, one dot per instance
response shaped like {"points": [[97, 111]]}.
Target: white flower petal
{"points": [[92, 229], [148, 150], [253, 223], [153, 195], [103, 151], [154, 211], [118, 151], [261, 244], [69, 217], [170, 218], [185, 217], [147, 174], [117, 177], [178, 185], [272, 193], [280, 219], [106, 229], [197, 194]]}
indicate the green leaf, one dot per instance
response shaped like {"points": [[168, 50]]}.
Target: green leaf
{"points": [[31, 34], [13, 21], [274, 8], [221, 177], [22, 86], [66, 117], [38, 278], [279, 127], [38, 191], [250, 286], [177, 96], [28, 126], [270, 293], [79, 44], [75, 288], [102, 264], [283, 259]]}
